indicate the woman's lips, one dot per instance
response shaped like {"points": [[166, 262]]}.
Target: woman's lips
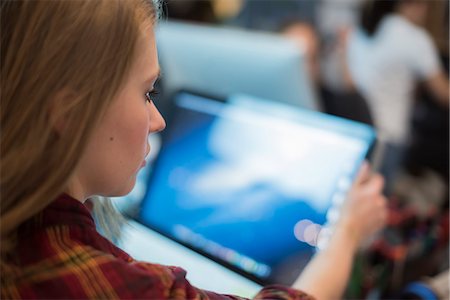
{"points": [[144, 162]]}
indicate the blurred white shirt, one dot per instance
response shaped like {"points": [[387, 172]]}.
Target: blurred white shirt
{"points": [[386, 68]]}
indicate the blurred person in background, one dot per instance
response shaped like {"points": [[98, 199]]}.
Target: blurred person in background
{"points": [[429, 147], [334, 21], [345, 102], [388, 56], [77, 85]]}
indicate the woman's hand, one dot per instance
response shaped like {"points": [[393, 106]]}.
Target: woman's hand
{"points": [[365, 211], [363, 214]]}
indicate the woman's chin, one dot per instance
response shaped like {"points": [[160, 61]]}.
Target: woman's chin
{"points": [[125, 189]]}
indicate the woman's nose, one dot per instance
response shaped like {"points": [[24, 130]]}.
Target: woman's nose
{"points": [[157, 122]]}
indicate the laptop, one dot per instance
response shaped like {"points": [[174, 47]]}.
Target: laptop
{"points": [[251, 184]]}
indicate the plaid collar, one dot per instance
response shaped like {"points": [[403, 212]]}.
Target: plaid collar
{"points": [[64, 210]]}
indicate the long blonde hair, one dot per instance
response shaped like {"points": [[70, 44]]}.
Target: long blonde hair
{"points": [[78, 52]]}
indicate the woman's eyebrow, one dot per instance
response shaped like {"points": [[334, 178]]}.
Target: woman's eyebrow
{"points": [[154, 78]]}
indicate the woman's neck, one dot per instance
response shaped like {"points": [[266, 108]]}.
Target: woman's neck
{"points": [[75, 190]]}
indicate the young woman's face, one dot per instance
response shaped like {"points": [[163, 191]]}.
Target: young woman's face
{"points": [[119, 144]]}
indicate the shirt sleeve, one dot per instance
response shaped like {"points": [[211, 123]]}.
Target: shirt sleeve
{"points": [[424, 57], [141, 280]]}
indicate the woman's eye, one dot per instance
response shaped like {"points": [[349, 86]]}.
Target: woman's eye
{"points": [[150, 94]]}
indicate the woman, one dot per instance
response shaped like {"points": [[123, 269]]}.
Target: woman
{"points": [[76, 111]]}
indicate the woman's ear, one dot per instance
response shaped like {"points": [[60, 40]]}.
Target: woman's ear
{"points": [[59, 110]]}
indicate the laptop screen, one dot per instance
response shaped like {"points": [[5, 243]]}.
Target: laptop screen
{"points": [[252, 183]]}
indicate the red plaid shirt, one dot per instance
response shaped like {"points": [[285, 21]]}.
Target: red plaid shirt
{"points": [[60, 255]]}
